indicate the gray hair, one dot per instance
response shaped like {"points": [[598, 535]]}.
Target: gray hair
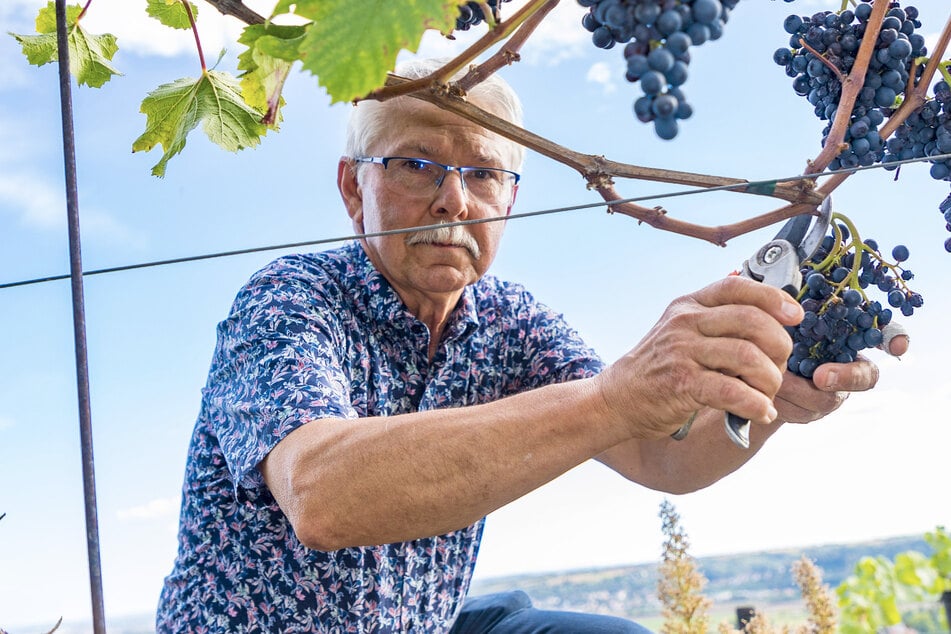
{"points": [[367, 123]]}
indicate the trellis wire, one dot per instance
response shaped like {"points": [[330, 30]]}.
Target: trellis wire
{"points": [[516, 216], [79, 325]]}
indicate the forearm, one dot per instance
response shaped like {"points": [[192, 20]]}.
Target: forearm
{"points": [[681, 466], [379, 480]]}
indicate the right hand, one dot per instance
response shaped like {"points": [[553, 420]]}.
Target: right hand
{"points": [[723, 346]]}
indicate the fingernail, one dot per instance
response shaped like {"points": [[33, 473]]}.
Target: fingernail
{"points": [[791, 309], [772, 413], [832, 379]]}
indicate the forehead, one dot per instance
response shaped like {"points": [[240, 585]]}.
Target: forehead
{"points": [[417, 128]]}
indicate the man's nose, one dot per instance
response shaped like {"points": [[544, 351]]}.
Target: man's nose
{"points": [[451, 196]]}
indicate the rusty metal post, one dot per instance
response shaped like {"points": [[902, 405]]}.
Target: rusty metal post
{"points": [[79, 323]]}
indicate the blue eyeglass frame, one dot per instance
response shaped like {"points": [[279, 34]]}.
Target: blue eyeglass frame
{"points": [[383, 160]]}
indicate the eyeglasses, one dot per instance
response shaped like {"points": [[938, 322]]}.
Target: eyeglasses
{"points": [[421, 178]]}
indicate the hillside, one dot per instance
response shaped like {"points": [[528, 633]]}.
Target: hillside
{"points": [[760, 579]]}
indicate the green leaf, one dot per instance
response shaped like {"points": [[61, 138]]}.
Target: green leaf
{"points": [[171, 13], [214, 100], [271, 51], [89, 55], [352, 45]]}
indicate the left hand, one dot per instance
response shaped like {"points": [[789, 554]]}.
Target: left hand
{"points": [[801, 400]]}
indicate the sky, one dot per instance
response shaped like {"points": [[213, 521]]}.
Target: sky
{"points": [[876, 468]]}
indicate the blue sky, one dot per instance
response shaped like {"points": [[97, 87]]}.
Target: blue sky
{"points": [[876, 468]]}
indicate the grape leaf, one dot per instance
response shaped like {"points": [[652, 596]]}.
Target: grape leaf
{"points": [[214, 99], [272, 50], [352, 45], [89, 55], [171, 13]]}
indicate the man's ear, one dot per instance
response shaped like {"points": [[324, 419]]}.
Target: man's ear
{"points": [[350, 191]]}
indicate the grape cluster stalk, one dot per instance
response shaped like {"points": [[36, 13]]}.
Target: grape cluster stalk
{"points": [[840, 318], [821, 53], [657, 35], [473, 13]]}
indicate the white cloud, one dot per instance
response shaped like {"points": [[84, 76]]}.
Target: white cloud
{"points": [[601, 73], [559, 37], [159, 508], [34, 201], [6, 423]]}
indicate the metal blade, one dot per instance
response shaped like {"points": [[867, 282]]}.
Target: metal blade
{"points": [[796, 228]]}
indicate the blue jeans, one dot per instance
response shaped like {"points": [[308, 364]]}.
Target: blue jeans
{"points": [[512, 613]]}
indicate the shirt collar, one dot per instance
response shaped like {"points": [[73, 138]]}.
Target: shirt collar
{"points": [[387, 309]]}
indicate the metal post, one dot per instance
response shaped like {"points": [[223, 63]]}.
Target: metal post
{"points": [[744, 614], [79, 323], [946, 600]]}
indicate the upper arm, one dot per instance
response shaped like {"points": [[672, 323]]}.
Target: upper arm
{"points": [[277, 367]]}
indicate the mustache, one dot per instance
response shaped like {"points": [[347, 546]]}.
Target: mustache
{"points": [[456, 235]]}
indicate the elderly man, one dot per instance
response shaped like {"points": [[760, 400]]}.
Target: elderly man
{"points": [[369, 405]]}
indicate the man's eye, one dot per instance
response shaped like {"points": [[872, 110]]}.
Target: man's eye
{"points": [[482, 174], [415, 165]]}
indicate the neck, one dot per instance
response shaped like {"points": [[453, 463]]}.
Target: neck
{"points": [[434, 313]]}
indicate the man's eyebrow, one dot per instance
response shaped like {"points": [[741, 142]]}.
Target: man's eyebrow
{"points": [[422, 150]]}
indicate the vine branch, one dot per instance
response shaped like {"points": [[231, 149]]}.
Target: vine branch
{"points": [[851, 87], [237, 9]]}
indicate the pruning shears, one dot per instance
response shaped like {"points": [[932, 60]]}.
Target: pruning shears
{"points": [[778, 264]]}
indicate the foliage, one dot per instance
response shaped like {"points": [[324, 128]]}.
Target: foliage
{"points": [[214, 100], [869, 600], [872, 597], [90, 56]]}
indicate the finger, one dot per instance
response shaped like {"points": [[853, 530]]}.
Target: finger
{"points": [[800, 401], [899, 345], [858, 376], [895, 339], [731, 394], [741, 359], [747, 323], [740, 290]]}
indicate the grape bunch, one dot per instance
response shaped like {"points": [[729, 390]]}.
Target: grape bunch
{"points": [[658, 35], [822, 50], [471, 13], [927, 133], [840, 320]]}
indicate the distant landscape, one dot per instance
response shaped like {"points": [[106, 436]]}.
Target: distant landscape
{"points": [[762, 580]]}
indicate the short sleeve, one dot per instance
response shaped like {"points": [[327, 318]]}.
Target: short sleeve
{"points": [[279, 363]]}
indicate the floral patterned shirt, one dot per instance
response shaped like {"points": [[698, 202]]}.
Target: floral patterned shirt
{"points": [[322, 336]]}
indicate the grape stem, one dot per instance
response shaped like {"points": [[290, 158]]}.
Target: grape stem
{"points": [[191, 20], [83, 12], [822, 58]]}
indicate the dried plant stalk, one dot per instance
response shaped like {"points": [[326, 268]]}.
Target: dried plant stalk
{"points": [[680, 584], [823, 617]]}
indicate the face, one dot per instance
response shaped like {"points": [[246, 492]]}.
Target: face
{"points": [[427, 267]]}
